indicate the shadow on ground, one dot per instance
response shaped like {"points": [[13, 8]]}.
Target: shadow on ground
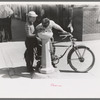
{"points": [[16, 72], [69, 71]]}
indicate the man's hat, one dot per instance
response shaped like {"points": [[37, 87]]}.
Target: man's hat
{"points": [[32, 14]]}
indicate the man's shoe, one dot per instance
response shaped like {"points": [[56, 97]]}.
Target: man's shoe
{"points": [[54, 65], [30, 69], [38, 66]]}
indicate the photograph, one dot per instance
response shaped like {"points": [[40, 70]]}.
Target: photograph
{"points": [[49, 49]]}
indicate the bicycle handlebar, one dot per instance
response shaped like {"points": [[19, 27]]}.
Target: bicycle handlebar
{"points": [[68, 34]]}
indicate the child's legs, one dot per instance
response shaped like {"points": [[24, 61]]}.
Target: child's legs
{"points": [[52, 47], [52, 50], [39, 47]]}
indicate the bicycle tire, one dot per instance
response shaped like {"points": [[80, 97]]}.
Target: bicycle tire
{"points": [[72, 51]]}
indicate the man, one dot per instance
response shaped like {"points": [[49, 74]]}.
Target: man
{"points": [[46, 26], [5, 22], [31, 41]]}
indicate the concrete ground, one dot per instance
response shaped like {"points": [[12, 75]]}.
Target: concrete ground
{"points": [[16, 82]]}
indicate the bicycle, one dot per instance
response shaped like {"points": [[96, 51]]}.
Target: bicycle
{"points": [[80, 57]]}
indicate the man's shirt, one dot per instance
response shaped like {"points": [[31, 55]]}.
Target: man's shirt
{"points": [[29, 28], [5, 11], [51, 25]]}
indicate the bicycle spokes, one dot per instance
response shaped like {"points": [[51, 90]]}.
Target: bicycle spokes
{"points": [[83, 52], [80, 54], [81, 59]]}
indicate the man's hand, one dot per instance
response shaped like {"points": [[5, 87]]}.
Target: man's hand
{"points": [[38, 39], [64, 32], [67, 33]]}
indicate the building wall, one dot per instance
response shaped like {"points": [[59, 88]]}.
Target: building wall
{"points": [[91, 26], [84, 19], [61, 14], [78, 23]]}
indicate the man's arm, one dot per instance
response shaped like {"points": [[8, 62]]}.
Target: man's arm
{"points": [[37, 31], [39, 28], [58, 27], [9, 11]]}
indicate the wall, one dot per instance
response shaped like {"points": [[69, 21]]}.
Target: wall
{"points": [[78, 22], [61, 14], [91, 26]]}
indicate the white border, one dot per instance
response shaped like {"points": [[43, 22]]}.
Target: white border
{"points": [[70, 88], [50, 2]]}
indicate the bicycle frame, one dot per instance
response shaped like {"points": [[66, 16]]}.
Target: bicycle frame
{"points": [[64, 51], [67, 47], [75, 49]]}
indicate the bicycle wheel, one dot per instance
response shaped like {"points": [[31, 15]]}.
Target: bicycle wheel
{"points": [[81, 59]]}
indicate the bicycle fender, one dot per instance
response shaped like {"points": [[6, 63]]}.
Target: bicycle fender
{"points": [[70, 52]]}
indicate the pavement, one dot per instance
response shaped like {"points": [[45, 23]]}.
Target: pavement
{"points": [[16, 82]]}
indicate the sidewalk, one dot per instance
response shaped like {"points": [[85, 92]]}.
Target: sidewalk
{"points": [[68, 84], [12, 59]]}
